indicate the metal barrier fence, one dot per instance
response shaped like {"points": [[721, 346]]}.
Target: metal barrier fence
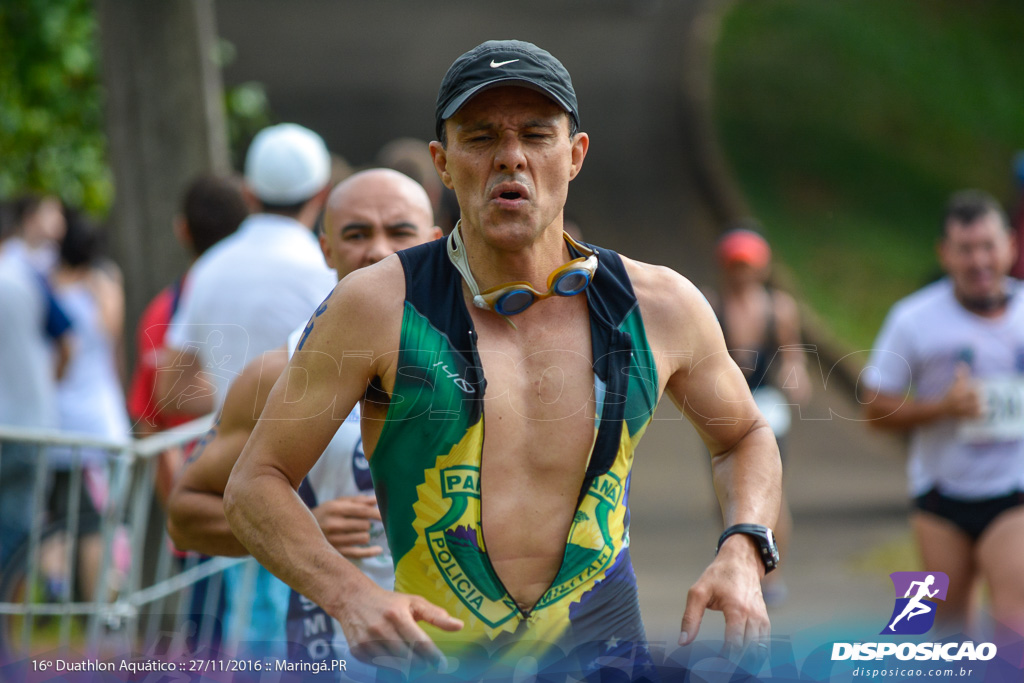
{"points": [[84, 583]]}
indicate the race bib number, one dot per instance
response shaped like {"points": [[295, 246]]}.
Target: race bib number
{"points": [[1003, 419]]}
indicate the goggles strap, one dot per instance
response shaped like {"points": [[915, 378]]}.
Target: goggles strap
{"points": [[457, 255], [460, 259]]}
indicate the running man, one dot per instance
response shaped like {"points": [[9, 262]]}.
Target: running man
{"points": [[558, 352], [916, 605], [368, 217], [948, 367]]}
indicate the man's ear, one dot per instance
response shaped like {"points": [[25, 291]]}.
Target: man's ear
{"points": [[941, 251], [440, 157], [580, 145], [325, 247], [251, 200], [182, 233]]}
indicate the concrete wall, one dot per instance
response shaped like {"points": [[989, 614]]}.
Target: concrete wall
{"points": [[362, 73]]}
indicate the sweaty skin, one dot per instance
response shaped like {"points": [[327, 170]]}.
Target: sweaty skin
{"points": [[368, 217], [509, 159]]}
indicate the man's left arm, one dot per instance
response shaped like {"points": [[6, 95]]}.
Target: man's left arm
{"points": [[705, 383]]}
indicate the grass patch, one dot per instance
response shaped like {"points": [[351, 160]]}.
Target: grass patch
{"points": [[848, 124]]}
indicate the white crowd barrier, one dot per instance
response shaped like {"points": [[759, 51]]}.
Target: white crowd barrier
{"points": [[91, 586]]}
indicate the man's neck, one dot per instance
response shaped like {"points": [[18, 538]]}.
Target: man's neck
{"points": [[985, 306], [990, 306], [306, 215], [743, 290], [492, 266]]}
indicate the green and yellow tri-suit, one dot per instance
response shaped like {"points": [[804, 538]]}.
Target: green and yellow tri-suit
{"points": [[426, 470]]}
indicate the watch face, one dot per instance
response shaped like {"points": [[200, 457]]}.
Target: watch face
{"points": [[773, 548]]}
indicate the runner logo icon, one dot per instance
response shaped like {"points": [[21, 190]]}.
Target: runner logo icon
{"points": [[916, 593]]}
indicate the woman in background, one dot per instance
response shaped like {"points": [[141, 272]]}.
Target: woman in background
{"points": [[90, 397]]}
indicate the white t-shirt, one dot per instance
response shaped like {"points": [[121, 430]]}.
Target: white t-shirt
{"points": [[923, 338], [27, 369], [90, 399], [246, 293]]}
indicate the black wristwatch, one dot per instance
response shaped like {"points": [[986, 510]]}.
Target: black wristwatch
{"points": [[764, 538]]}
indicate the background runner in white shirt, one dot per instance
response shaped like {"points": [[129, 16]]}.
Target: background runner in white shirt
{"points": [[948, 367]]}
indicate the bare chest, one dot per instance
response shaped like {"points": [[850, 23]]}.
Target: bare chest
{"points": [[539, 399]]}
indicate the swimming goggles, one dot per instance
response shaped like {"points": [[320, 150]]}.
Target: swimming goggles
{"points": [[512, 298]]}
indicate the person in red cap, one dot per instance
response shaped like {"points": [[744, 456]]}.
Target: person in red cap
{"points": [[762, 330]]}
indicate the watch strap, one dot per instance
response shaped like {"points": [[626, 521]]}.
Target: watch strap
{"points": [[762, 535]]}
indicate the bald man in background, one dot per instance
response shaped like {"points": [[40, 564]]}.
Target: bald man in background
{"points": [[368, 217]]}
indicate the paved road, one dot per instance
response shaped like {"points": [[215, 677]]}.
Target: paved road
{"points": [[364, 73], [846, 491]]}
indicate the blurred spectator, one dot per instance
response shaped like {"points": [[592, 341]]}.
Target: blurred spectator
{"points": [[340, 169], [28, 389], [762, 332], [212, 208], [90, 288], [39, 226], [90, 399], [368, 217], [34, 227], [245, 295], [412, 157], [948, 369]]}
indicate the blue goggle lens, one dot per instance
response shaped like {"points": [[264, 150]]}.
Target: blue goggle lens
{"points": [[572, 283], [514, 302]]}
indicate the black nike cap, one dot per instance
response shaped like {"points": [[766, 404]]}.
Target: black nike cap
{"points": [[503, 62]]}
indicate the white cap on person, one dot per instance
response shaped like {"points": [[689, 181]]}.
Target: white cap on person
{"points": [[287, 164]]}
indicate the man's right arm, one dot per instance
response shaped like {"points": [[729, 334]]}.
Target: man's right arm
{"points": [[351, 340], [887, 381], [888, 378], [903, 413]]}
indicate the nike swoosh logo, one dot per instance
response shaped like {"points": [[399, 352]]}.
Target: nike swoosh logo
{"points": [[495, 65]]}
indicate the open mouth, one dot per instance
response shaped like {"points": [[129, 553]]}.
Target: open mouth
{"points": [[510, 192]]}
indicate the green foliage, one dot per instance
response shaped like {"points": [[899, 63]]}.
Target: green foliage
{"points": [[50, 113], [246, 108], [848, 124], [51, 119], [248, 111]]}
